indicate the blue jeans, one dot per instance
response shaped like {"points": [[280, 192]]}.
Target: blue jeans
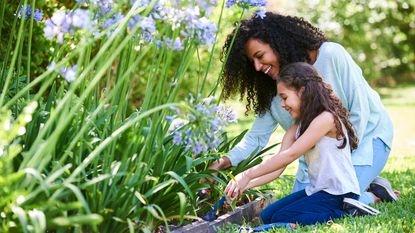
{"points": [[299, 208], [365, 173]]}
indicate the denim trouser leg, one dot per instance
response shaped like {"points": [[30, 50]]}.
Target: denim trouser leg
{"points": [[266, 214], [366, 173], [305, 210]]}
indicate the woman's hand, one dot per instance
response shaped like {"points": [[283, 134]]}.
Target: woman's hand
{"points": [[237, 185]]}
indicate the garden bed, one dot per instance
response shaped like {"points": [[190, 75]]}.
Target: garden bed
{"points": [[245, 212]]}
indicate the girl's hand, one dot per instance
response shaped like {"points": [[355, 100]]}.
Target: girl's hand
{"points": [[237, 186]]}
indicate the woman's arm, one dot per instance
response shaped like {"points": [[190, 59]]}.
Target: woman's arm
{"points": [[318, 128]]}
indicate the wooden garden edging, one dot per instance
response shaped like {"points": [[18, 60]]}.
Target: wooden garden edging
{"points": [[246, 212]]}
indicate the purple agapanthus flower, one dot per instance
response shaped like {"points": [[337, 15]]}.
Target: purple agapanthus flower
{"points": [[178, 44], [37, 14], [258, 2], [204, 126], [57, 26], [69, 73], [230, 3], [260, 13], [246, 3], [80, 18]]}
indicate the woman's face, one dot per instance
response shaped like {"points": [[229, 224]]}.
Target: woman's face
{"points": [[263, 57], [290, 99]]}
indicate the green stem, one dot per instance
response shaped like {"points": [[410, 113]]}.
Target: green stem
{"points": [[213, 49], [29, 46], [227, 55], [13, 62], [2, 9]]}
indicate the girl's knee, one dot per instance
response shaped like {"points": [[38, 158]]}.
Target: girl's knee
{"points": [[281, 216], [265, 217]]}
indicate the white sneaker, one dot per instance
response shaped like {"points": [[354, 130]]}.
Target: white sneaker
{"points": [[382, 188], [357, 208]]}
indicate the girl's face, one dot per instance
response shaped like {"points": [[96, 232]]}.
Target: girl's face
{"points": [[290, 99], [263, 57]]}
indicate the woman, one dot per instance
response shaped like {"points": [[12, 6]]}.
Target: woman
{"points": [[262, 47]]}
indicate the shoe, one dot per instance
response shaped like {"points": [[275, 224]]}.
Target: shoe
{"points": [[356, 208], [382, 189]]}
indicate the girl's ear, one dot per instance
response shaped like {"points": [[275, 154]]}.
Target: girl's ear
{"points": [[300, 92]]}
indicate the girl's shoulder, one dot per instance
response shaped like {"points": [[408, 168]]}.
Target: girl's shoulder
{"points": [[325, 116]]}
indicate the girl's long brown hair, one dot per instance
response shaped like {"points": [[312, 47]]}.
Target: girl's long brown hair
{"points": [[316, 98]]}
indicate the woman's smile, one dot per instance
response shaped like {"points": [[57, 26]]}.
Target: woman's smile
{"points": [[263, 57]]}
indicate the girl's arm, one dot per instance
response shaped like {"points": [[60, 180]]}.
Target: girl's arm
{"points": [[287, 141], [318, 128], [263, 179]]}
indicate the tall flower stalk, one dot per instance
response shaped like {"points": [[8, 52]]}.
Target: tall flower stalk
{"points": [[90, 155]]}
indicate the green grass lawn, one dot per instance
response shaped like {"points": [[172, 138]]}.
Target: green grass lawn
{"points": [[400, 170]]}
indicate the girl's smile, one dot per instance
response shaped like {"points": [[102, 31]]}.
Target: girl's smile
{"points": [[290, 99]]}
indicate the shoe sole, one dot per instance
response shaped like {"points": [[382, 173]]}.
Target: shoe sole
{"points": [[385, 189], [369, 210]]}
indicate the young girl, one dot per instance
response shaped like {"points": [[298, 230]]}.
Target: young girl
{"points": [[324, 135]]}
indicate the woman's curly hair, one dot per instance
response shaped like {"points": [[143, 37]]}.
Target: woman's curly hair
{"points": [[291, 39], [317, 97]]}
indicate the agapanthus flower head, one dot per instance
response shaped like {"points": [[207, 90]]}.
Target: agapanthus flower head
{"points": [[204, 30], [58, 25], [246, 4], [27, 10], [200, 131]]}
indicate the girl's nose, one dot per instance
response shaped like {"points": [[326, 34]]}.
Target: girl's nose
{"points": [[283, 104], [257, 65]]}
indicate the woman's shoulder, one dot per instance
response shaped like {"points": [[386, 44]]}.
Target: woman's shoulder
{"points": [[335, 53], [331, 48]]}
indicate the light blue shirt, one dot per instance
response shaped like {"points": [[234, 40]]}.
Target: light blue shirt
{"points": [[367, 113]]}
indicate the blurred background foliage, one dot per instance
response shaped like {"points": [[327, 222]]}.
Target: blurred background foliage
{"points": [[380, 35]]}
